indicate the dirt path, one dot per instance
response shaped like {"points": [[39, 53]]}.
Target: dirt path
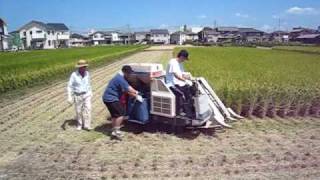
{"points": [[39, 141]]}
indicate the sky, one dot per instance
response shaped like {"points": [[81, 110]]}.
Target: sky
{"points": [[83, 15]]}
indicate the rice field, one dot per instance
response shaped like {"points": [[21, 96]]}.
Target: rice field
{"points": [[261, 82], [39, 140], [25, 69], [307, 49]]}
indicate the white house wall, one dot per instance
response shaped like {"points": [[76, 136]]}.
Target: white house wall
{"points": [[50, 37], [4, 41], [160, 38], [115, 37]]}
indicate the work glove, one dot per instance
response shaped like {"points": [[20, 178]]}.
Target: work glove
{"points": [[139, 98], [70, 99]]}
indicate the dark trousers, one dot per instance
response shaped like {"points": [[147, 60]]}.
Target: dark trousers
{"points": [[184, 99]]}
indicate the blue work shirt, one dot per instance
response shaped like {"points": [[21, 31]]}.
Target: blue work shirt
{"points": [[116, 87]]}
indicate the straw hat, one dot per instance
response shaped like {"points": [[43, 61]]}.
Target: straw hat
{"points": [[82, 63]]}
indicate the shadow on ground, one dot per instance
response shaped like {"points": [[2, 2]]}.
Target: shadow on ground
{"points": [[153, 128], [69, 122]]}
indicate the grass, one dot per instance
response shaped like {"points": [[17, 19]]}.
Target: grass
{"points": [[307, 49], [260, 81], [26, 69]]}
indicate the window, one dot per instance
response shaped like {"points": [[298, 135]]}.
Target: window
{"points": [[39, 32], [24, 33], [49, 42], [30, 32], [48, 32]]}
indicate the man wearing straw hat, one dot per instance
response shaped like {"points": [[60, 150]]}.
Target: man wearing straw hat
{"points": [[80, 93]]}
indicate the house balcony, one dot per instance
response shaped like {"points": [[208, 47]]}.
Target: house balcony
{"points": [[39, 36], [63, 36]]}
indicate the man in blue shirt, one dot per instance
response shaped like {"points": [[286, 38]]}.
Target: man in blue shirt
{"points": [[111, 98]]}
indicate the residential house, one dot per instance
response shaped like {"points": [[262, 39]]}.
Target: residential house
{"points": [[309, 38], [181, 37], [126, 38], [300, 31], [115, 37], [100, 38], [140, 37], [227, 30], [78, 40], [250, 35], [159, 36], [279, 36], [105, 37], [191, 36], [230, 34], [39, 35], [178, 37], [208, 35], [3, 35]]}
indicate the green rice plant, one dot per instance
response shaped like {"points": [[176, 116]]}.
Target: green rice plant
{"points": [[304, 49], [255, 81], [26, 69]]}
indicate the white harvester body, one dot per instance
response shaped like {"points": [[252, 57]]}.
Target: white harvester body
{"points": [[162, 101]]}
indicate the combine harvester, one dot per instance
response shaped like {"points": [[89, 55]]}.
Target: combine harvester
{"points": [[159, 103]]}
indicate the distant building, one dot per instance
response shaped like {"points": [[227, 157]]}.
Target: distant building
{"points": [[39, 35], [231, 34], [309, 39], [178, 37], [3, 35], [100, 38], [250, 34], [159, 36], [279, 36], [208, 35], [78, 40], [181, 37], [111, 37], [140, 37], [191, 36], [218, 35], [227, 30], [126, 38], [296, 32], [115, 36]]}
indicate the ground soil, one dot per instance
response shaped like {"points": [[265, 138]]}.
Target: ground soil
{"points": [[39, 141]]}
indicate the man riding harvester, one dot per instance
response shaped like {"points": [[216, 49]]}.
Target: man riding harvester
{"points": [[175, 97]]}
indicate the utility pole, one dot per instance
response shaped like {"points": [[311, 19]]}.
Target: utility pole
{"points": [[214, 24], [279, 25], [129, 34]]}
